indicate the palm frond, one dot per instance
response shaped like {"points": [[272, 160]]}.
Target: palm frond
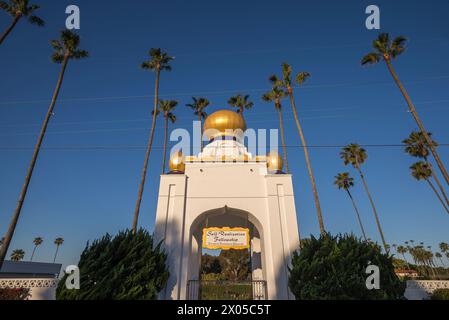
{"points": [[57, 57], [370, 58], [37, 21], [80, 54], [301, 77], [5, 6]]}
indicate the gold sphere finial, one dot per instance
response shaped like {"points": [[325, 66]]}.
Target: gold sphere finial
{"points": [[176, 163], [221, 122], [274, 162]]}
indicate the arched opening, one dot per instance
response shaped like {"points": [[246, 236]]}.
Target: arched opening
{"points": [[226, 274]]}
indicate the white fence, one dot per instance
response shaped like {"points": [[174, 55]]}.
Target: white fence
{"points": [[422, 289]]}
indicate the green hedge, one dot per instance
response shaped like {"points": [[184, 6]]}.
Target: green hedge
{"points": [[334, 267], [440, 294], [127, 266]]}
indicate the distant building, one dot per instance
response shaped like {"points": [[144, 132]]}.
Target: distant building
{"points": [[402, 273], [40, 278]]}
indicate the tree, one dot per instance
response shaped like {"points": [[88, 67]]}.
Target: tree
{"points": [[440, 256], [128, 266], [37, 242], [345, 181], [18, 9], [66, 49], [402, 251], [167, 107], [334, 267], [241, 102], [275, 95], [17, 255], [235, 264], [210, 264], [355, 155], [422, 171], [58, 242], [287, 84], [416, 146], [387, 50], [159, 61], [198, 106], [444, 247]]}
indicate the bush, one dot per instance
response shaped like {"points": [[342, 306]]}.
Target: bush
{"points": [[124, 267], [14, 294], [334, 268], [440, 294]]}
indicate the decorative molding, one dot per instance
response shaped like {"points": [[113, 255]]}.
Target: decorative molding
{"points": [[28, 283]]}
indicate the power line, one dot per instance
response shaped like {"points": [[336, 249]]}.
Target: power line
{"points": [[143, 147], [219, 93], [191, 118]]}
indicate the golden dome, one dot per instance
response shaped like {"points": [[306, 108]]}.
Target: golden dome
{"points": [[176, 163], [221, 121], [274, 161]]}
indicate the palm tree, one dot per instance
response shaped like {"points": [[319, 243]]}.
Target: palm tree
{"points": [[19, 9], [422, 171], [17, 254], [416, 146], [198, 105], [167, 107], [444, 247], [37, 242], [276, 95], [440, 256], [387, 50], [287, 84], [345, 181], [66, 49], [241, 102], [402, 251], [159, 61], [58, 241], [355, 155]]}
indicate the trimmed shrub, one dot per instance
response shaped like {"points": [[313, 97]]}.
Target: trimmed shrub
{"points": [[126, 266], [14, 294], [440, 294], [334, 267]]}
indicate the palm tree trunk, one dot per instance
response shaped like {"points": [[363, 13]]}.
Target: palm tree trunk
{"points": [[284, 149], [200, 119], [309, 167], [418, 121], [32, 255], [11, 26], [438, 195], [408, 265], [56, 253], [434, 175], [165, 144], [379, 227], [147, 154], [23, 192], [357, 213]]}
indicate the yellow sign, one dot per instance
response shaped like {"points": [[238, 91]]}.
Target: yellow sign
{"points": [[226, 238]]}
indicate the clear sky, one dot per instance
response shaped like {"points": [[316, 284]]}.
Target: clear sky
{"points": [[221, 48]]}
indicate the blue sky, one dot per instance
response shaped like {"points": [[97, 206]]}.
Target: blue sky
{"points": [[221, 48]]}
